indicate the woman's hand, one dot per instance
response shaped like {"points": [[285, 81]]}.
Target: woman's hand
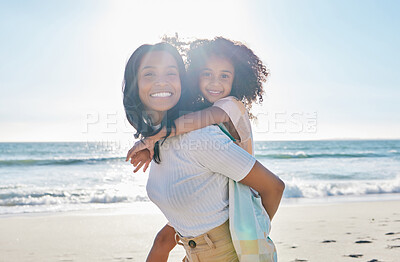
{"points": [[147, 143], [141, 158], [268, 185]]}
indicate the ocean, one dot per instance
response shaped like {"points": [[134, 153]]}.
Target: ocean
{"points": [[64, 176]]}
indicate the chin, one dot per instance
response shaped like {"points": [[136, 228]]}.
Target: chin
{"points": [[212, 99], [163, 107]]}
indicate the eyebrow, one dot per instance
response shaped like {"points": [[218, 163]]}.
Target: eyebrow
{"points": [[225, 71], [146, 67]]}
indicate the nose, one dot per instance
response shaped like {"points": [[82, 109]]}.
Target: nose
{"points": [[161, 81], [213, 78], [214, 81]]}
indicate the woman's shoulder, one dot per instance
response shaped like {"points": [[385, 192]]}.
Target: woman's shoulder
{"points": [[208, 133]]}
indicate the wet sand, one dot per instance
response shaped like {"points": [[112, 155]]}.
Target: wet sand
{"points": [[360, 231]]}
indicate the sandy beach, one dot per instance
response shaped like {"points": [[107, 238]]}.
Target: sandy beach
{"points": [[351, 231]]}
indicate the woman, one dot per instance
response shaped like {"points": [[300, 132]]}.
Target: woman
{"points": [[189, 183]]}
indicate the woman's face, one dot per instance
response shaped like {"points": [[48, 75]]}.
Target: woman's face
{"points": [[216, 78], [159, 81]]}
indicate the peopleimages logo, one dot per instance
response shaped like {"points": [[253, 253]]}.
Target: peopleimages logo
{"points": [[279, 122], [285, 122]]}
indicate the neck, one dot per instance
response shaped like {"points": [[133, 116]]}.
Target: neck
{"points": [[155, 117]]}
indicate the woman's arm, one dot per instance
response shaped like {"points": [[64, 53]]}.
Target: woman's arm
{"points": [[268, 185], [217, 153]]}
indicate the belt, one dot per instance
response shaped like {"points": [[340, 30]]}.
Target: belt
{"points": [[192, 242]]}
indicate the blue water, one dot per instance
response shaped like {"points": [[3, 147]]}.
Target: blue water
{"points": [[37, 177]]}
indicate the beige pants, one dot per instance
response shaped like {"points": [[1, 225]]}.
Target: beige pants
{"points": [[213, 246]]}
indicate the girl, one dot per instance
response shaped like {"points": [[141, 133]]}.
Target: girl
{"points": [[227, 78]]}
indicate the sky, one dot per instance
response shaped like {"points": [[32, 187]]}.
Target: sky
{"points": [[333, 64]]}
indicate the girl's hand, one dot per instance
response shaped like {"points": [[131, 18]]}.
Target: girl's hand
{"points": [[141, 158], [147, 143]]}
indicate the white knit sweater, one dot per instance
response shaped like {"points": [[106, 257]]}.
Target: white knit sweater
{"points": [[190, 185]]}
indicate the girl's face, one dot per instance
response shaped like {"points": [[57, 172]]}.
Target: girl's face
{"points": [[159, 82], [216, 78]]}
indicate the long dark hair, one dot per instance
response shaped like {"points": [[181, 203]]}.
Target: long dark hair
{"points": [[250, 72], [134, 108]]}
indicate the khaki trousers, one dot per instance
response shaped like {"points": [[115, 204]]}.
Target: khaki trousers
{"points": [[213, 246]]}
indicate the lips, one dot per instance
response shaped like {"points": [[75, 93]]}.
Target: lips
{"points": [[161, 94], [214, 92]]}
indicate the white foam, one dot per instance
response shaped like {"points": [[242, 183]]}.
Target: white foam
{"points": [[315, 189]]}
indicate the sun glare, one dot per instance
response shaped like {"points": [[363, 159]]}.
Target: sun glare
{"points": [[150, 20]]}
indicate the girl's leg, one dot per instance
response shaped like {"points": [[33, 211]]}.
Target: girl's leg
{"points": [[162, 245]]}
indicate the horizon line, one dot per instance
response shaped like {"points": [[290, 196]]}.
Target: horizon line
{"points": [[272, 140]]}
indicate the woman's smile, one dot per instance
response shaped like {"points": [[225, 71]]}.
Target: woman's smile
{"points": [[161, 94]]}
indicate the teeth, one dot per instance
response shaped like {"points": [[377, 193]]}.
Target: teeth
{"points": [[214, 92], [161, 94]]}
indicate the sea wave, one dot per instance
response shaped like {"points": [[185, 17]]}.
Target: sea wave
{"points": [[65, 161], [54, 197], [295, 188], [302, 154], [312, 189]]}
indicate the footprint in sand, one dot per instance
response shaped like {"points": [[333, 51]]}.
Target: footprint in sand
{"points": [[300, 260], [373, 260], [394, 239], [328, 241], [363, 242], [123, 258], [355, 255], [391, 247], [391, 233]]}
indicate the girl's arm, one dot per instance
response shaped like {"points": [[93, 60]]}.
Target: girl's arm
{"points": [[200, 119], [162, 245], [184, 124], [142, 158], [195, 120], [269, 186]]}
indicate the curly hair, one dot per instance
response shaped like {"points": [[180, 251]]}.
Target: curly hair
{"points": [[250, 72]]}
